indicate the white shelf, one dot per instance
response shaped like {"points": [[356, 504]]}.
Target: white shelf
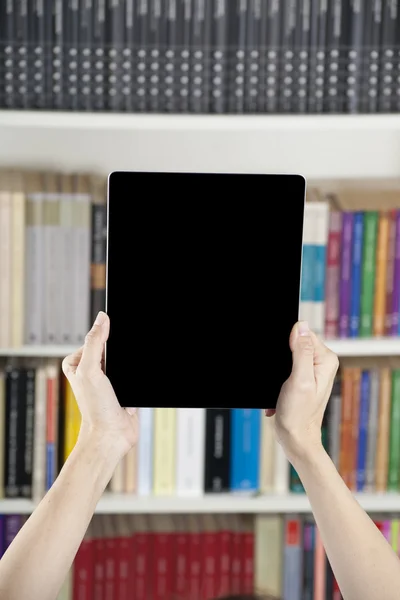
{"points": [[224, 503], [316, 146], [343, 348]]}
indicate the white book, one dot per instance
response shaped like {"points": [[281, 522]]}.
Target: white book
{"points": [[34, 260], [52, 272], [190, 451], [306, 311], [18, 221], [145, 452], [39, 440], [5, 268], [67, 279], [281, 475]]}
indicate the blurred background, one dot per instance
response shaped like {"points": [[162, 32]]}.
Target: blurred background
{"points": [[302, 86]]}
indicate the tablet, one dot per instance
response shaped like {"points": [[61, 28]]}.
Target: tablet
{"points": [[203, 284]]}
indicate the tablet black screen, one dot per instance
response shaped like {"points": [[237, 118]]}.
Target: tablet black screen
{"points": [[203, 281]]}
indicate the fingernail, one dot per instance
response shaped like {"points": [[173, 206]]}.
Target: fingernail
{"points": [[131, 411], [100, 318], [304, 328]]}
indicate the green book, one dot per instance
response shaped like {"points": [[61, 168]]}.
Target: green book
{"points": [[394, 443], [368, 272]]}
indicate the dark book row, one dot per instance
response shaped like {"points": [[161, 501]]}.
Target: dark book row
{"points": [[201, 56]]}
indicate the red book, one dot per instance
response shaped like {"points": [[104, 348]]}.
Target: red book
{"points": [[224, 559], [210, 558], [333, 275], [236, 559], [163, 558], [83, 574], [142, 541], [248, 559], [124, 551], [181, 562], [111, 557], [99, 563], [195, 560]]}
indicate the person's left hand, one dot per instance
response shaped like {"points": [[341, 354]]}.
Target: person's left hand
{"points": [[98, 404]]}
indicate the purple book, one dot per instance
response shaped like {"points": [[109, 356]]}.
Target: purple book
{"points": [[396, 281], [345, 274], [2, 537], [11, 528]]}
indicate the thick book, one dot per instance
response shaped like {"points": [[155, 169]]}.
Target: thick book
{"points": [[317, 65], [354, 60], [372, 53], [218, 450], [387, 86], [85, 54], [218, 54], [288, 40], [71, 56], [98, 48], [237, 55], [253, 55], [302, 56], [114, 43]]}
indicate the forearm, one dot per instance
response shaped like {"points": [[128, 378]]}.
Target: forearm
{"points": [[37, 562], [349, 536]]}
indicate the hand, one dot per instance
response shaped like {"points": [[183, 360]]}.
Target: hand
{"points": [[304, 396], [98, 404]]}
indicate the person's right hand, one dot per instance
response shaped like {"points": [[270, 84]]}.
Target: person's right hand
{"points": [[304, 396]]}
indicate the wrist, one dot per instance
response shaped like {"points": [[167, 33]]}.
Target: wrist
{"points": [[101, 444], [305, 455]]}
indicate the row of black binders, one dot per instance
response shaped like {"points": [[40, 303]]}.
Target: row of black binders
{"points": [[201, 56]]}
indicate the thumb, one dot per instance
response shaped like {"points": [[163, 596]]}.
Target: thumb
{"points": [[93, 348], [302, 346]]}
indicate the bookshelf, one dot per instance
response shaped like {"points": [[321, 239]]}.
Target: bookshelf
{"points": [[212, 504], [343, 348], [325, 146]]}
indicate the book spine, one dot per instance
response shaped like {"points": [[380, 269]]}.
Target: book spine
{"points": [[252, 71], [127, 57], [39, 444], [308, 550], [190, 451], [157, 50], [394, 439], [8, 25], [98, 49], [387, 101], [381, 463], [346, 426], [390, 272], [345, 280], [372, 430], [34, 270], [335, 35], [245, 446], [197, 67], [141, 42], [66, 241], [320, 250], [217, 452], [368, 273], [11, 433], [356, 392], [18, 226], [164, 451], [171, 79], [354, 56], [82, 267], [307, 266], [373, 52], [29, 400], [287, 83], [40, 48], [292, 579], [381, 273], [5, 265], [363, 431], [70, 41], [396, 281], [98, 265], [145, 452], [115, 37], [335, 402], [57, 51], [356, 267], [219, 56], [237, 54], [274, 55], [333, 275], [185, 55], [302, 58], [22, 55], [85, 54]]}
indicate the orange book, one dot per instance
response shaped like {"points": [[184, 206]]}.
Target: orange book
{"points": [[346, 431], [382, 450], [355, 414], [382, 252]]}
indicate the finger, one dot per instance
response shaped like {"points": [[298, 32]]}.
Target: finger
{"points": [[270, 412], [71, 361], [94, 342], [303, 349]]}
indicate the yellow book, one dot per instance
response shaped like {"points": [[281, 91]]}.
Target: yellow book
{"points": [[72, 421], [164, 451], [381, 274], [395, 535], [268, 555]]}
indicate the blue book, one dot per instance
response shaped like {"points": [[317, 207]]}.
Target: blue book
{"points": [[245, 449], [363, 430], [50, 464], [356, 271], [307, 267]]}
